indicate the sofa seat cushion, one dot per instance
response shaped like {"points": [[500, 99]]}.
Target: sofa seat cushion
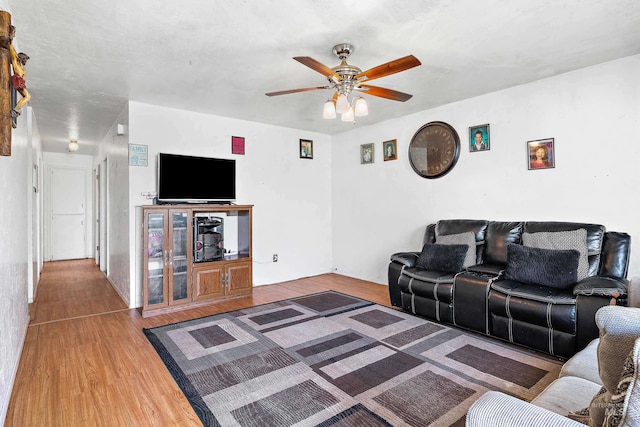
{"points": [[567, 394], [539, 293], [547, 308], [584, 364], [428, 275]]}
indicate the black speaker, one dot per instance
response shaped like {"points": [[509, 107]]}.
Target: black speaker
{"points": [[208, 239]]}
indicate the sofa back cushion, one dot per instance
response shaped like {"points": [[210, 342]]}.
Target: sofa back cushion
{"points": [[468, 239], [565, 240], [595, 237], [498, 236], [457, 226]]}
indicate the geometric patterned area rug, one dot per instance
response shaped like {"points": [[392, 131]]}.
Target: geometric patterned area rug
{"points": [[330, 359]]}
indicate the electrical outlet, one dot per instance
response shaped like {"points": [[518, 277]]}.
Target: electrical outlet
{"points": [[275, 257]]}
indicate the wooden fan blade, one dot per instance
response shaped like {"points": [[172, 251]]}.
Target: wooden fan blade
{"points": [[285, 92], [392, 67], [386, 93], [317, 66]]}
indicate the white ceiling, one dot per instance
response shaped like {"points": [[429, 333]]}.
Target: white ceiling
{"points": [[89, 57]]}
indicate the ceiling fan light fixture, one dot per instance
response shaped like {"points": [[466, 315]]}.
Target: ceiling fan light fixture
{"points": [[342, 104], [360, 107], [73, 145], [348, 116], [329, 110]]}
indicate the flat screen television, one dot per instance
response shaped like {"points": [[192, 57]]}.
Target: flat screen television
{"points": [[190, 179]]}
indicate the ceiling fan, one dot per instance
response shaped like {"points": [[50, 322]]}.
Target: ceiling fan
{"points": [[346, 78]]}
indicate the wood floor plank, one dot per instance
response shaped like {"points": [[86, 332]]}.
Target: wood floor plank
{"points": [[89, 363]]}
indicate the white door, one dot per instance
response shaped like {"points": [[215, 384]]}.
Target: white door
{"points": [[68, 228]]}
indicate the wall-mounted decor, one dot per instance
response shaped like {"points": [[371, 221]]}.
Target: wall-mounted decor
{"points": [[541, 154], [479, 138], [138, 155], [237, 145], [434, 150], [306, 149], [390, 150], [6, 106], [366, 153]]}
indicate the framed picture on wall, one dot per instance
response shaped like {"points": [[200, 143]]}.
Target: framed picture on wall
{"points": [[366, 154], [390, 150], [306, 149], [237, 145], [541, 154], [479, 138]]}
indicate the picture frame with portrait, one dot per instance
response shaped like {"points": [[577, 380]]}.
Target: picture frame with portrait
{"points": [[366, 154], [390, 150], [306, 149], [479, 138], [541, 154]]}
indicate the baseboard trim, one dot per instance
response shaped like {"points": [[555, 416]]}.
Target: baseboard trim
{"points": [[115, 288], [5, 408]]}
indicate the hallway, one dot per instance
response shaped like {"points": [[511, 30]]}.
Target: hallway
{"points": [[86, 361], [72, 289]]}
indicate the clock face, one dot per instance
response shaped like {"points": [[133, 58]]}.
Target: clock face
{"points": [[434, 150]]}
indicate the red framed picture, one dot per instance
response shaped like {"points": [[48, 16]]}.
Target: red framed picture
{"points": [[237, 145]]}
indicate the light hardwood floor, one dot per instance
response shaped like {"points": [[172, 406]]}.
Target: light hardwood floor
{"points": [[86, 361]]}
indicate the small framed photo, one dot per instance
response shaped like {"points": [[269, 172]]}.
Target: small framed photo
{"points": [[237, 145], [390, 150], [306, 149], [541, 154], [366, 154], [479, 138]]}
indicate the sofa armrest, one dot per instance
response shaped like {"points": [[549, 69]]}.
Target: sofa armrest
{"points": [[602, 286], [408, 259], [495, 409]]}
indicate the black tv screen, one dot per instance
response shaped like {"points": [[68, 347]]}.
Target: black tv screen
{"points": [[190, 179]]}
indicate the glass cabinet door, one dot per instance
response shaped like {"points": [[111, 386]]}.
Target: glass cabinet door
{"points": [[179, 261], [156, 259]]}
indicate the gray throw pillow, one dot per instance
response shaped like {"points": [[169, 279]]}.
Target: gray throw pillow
{"points": [[468, 238], [573, 239]]}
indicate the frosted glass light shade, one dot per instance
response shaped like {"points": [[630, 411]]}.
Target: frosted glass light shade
{"points": [[360, 107], [73, 145], [342, 104], [329, 110], [347, 116]]}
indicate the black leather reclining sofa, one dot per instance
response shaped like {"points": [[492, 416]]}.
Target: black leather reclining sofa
{"points": [[500, 296]]}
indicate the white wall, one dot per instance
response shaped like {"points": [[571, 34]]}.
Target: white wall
{"points": [[594, 116], [119, 244], [291, 196], [15, 174], [35, 241]]}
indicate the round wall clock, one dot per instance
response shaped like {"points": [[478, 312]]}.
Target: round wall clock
{"points": [[434, 150]]}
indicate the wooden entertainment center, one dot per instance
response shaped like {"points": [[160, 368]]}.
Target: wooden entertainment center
{"points": [[172, 278]]}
